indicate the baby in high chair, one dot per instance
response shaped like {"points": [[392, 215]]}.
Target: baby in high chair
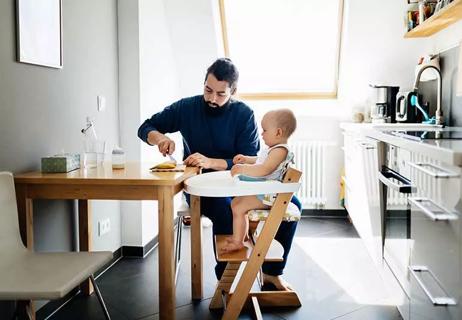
{"points": [[270, 164]]}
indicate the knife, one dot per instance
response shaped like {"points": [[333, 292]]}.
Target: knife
{"points": [[172, 159]]}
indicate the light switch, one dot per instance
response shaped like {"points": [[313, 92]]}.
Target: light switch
{"points": [[101, 103]]}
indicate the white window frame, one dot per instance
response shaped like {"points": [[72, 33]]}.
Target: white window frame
{"points": [[302, 95]]}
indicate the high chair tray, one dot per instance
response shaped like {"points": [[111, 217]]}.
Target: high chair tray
{"points": [[222, 184]]}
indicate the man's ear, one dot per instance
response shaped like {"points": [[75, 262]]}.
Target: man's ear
{"points": [[233, 90], [279, 132]]}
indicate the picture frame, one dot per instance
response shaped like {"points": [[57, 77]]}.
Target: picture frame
{"points": [[39, 32]]}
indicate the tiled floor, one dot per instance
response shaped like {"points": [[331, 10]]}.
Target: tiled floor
{"points": [[328, 266]]}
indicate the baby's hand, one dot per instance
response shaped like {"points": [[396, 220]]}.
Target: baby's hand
{"points": [[236, 169], [238, 159]]}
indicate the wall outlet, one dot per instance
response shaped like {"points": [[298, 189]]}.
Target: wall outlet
{"points": [[101, 103], [104, 226]]}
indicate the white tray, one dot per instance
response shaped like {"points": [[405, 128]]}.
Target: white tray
{"points": [[222, 184]]}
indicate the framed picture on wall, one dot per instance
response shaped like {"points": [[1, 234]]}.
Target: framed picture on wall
{"points": [[39, 32]]}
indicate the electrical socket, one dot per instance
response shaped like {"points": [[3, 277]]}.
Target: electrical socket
{"points": [[104, 226]]}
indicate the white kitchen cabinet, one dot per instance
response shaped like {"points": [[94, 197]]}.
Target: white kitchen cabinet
{"points": [[361, 190]]}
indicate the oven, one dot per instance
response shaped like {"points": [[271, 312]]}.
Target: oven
{"points": [[395, 188]]}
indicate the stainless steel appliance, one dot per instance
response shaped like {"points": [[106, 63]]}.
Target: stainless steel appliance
{"points": [[383, 103], [394, 189]]}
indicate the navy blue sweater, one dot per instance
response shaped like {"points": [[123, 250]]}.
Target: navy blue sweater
{"points": [[219, 136]]}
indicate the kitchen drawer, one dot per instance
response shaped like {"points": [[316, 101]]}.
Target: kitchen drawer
{"points": [[435, 267], [435, 180]]}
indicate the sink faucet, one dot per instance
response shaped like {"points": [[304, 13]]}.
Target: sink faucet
{"points": [[439, 112]]}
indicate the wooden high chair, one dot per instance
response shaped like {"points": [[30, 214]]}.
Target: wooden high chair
{"points": [[233, 290]]}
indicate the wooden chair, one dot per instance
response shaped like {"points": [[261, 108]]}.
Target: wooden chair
{"points": [[26, 275], [233, 290]]}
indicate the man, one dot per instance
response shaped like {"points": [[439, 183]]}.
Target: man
{"points": [[215, 128]]}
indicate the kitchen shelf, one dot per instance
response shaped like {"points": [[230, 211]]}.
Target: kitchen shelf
{"points": [[440, 20]]}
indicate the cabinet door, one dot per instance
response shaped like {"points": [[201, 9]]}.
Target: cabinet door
{"points": [[435, 268], [371, 200]]}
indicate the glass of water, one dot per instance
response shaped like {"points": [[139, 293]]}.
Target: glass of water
{"points": [[94, 153]]}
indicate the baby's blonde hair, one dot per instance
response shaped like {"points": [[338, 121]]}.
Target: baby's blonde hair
{"points": [[284, 119]]}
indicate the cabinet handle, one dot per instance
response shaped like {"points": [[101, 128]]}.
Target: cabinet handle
{"points": [[386, 174], [366, 145], [437, 301], [440, 171], [445, 216]]}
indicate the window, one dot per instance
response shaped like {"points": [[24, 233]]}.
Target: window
{"points": [[284, 49]]}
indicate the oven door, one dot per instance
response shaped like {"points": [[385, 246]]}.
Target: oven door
{"points": [[396, 214]]}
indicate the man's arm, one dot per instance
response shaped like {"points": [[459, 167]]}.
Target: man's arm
{"points": [[153, 130], [164, 143], [199, 160]]}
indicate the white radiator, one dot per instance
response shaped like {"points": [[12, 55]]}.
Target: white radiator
{"points": [[310, 158]]}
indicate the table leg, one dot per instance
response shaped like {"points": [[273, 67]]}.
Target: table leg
{"points": [[196, 249], [166, 256], [85, 241], [26, 308]]}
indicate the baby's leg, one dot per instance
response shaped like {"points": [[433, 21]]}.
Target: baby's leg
{"points": [[240, 206]]}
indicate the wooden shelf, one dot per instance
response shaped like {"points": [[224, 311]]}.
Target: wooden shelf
{"points": [[440, 20]]}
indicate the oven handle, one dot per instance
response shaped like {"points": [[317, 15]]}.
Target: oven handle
{"points": [[446, 216], [386, 174], [440, 171], [437, 301]]}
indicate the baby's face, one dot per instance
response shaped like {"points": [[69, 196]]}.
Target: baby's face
{"points": [[269, 130]]}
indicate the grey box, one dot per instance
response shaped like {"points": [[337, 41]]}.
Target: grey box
{"points": [[60, 163]]}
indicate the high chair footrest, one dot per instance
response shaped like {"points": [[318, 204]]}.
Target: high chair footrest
{"points": [[275, 252], [273, 298]]}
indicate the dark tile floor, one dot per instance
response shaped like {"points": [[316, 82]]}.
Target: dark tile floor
{"points": [[328, 266]]}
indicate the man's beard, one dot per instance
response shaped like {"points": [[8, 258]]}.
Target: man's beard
{"points": [[214, 109]]}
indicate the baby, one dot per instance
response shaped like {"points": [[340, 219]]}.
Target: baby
{"points": [[270, 164]]}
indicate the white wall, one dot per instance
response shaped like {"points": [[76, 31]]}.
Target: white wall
{"points": [[194, 41], [445, 39], [158, 88], [148, 82]]}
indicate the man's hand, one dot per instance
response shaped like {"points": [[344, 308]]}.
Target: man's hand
{"points": [[237, 169], [198, 160], [239, 159], [166, 146]]}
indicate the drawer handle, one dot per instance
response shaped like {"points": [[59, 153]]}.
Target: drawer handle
{"points": [[445, 216], [366, 145], [440, 171], [386, 174], [437, 301]]}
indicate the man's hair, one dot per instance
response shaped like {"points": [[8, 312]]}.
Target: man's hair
{"points": [[224, 70], [285, 119]]}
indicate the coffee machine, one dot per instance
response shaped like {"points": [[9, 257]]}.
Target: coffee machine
{"points": [[383, 103]]}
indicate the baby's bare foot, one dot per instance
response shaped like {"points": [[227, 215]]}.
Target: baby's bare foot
{"points": [[232, 245], [278, 282]]}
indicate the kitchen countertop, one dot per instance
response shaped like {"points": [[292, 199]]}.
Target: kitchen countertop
{"points": [[448, 151]]}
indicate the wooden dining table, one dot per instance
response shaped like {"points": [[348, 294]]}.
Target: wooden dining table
{"points": [[135, 182]]}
